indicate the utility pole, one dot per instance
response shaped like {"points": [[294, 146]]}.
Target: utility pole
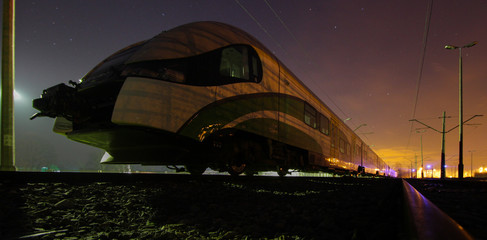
{"points": [[422, 166], [471, 162], [8, 83], [415, 166], [443, 132], [443, 170]]}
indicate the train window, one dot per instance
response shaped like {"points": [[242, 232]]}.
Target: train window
{"points": [[232, 64], [310, 115], [255, 66], [240, 62], [324, 125], [342, 145], [333, 135]]}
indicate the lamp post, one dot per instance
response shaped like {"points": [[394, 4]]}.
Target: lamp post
{"points": [[361, 125], [460, 99], [7, 162]]}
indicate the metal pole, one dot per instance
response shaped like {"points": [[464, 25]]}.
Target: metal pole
{"points": [[471, 163], [443, 173], [8, 76], [411, 169], [460, 121], [422, 166], [460, 96], [415, 166]]}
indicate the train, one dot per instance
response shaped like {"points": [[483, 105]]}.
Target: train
{"points": [[205, 95]]}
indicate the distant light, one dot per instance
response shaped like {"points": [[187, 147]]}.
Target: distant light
{"points": [[428, 166], [17, 96]]}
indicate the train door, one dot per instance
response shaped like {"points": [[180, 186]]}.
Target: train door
{"points": [[334, 139], [241, 78], [292, 98], [353, 152], [285, 106], [360, 157]]}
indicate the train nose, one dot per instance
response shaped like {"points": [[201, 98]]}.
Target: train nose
{"points": [[56, 101]]}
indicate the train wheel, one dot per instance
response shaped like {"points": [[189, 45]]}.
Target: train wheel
{"points": [[236, 169], [250, 173], [196, 170], [237, 157], [282, 171]]}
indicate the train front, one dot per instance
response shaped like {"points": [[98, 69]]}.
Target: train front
{"points": [[134, 103]]}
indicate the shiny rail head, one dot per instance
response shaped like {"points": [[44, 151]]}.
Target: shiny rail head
{"points": [[427, 221]]}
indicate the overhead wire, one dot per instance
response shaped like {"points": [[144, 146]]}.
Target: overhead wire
{"points": [[281, 21], [429, 12], [258, 24], [423, 54]]}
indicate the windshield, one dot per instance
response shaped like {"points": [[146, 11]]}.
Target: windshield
{"points": [[110, 67]]}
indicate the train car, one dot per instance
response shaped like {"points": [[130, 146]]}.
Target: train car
{"points": [[205, 94]]}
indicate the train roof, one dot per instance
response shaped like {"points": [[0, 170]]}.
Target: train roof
{"points": [[192, 39], [197, 38]]}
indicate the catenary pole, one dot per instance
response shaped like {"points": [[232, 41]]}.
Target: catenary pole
{"points": [[443, 174], [460, 121], [443, 132]]}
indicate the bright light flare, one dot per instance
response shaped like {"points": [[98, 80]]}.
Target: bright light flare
{"points": [[17, 96]]}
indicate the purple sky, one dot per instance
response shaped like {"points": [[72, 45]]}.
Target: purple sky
{"points": [[361, 57]]}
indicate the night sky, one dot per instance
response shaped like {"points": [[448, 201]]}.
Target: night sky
{"points": [[361, 57]]}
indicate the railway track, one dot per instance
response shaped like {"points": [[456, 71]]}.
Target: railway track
{"points": [[156, 206]]}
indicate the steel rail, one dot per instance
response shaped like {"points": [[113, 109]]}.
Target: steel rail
{"points": [[427, 221]]}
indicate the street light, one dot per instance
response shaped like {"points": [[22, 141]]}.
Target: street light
{"points": [[460, 99], [361, 125], [17, 96], [7, 126]]}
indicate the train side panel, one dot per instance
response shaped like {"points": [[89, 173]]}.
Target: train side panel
{"points": [[159, 104]]}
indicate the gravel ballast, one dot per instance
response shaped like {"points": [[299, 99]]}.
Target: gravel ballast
{"points": [[204, 208]]}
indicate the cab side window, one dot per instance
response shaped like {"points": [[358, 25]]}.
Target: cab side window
{"points": [[240, 63], [310, 115], [324, 125], [234, 63]]}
